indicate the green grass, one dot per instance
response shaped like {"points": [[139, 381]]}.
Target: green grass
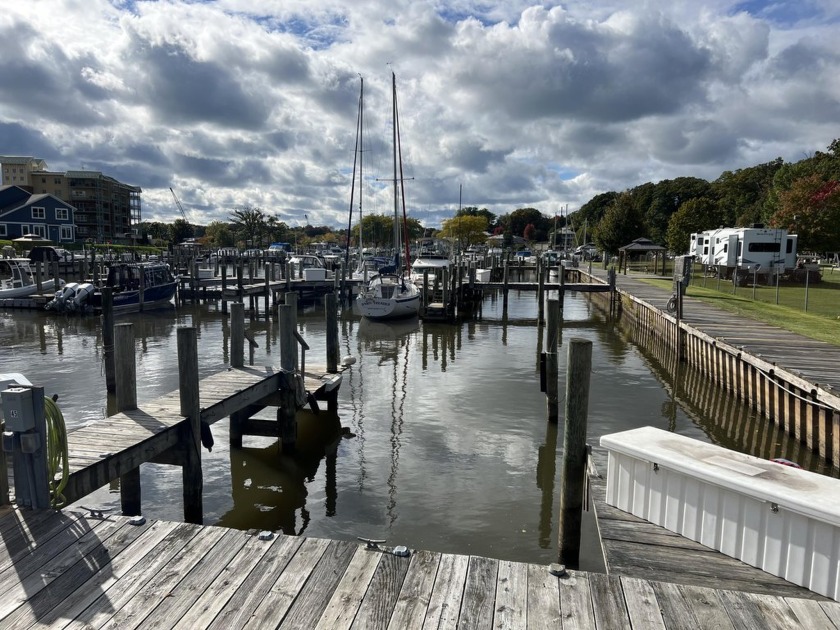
{"points": [[821, 321]]}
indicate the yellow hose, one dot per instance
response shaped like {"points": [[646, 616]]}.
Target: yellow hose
{"points": [[56, 451]]}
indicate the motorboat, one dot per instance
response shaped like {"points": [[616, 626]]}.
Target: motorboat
{"points": [[135, 286], [432, 258], [17, 279]]}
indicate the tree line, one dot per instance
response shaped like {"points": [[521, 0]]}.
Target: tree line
{"points": [[802, 197]]}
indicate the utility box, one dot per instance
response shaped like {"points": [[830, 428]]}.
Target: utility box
{"points": [[18, 409], [314, 274]]}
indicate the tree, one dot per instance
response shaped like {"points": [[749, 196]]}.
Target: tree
{"points": [[473, 211], [219, 234], [811, 209], [742, 194], [695, 215], [519, 219], [250, 224], [621, 224], [180, 230], [529, 232], [467, 230]]}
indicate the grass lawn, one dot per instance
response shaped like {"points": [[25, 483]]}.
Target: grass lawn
{"points": [[821, 321]]}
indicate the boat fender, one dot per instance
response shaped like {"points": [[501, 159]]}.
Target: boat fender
{"points": [[207, 440], [348, 361]]}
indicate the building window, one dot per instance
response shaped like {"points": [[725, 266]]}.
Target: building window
{"points": [[57, 180], [61, 214], [24, 229], [38, 213], [66, 232], [40, 230], [43, 180], [3, 229]]}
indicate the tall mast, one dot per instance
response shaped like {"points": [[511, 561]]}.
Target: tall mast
{"points": [[396, 195], [357, 154]]}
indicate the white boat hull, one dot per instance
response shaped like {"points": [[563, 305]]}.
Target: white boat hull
{"points": [[388, 308]]}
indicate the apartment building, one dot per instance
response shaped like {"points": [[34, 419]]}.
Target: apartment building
{"points": [[106, 209]]}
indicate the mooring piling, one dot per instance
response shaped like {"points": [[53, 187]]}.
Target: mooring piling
{"points": [[578, 369]]}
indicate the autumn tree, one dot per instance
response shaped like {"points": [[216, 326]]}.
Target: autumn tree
{"points": [[810, 208], [467, 230]]}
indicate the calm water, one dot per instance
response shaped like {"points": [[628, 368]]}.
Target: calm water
{"points": [[440, 441]]}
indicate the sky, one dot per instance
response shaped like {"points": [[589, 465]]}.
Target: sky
{"points": [[502, 105]]}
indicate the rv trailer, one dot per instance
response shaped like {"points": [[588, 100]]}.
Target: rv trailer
{"points": [[739, 253]]}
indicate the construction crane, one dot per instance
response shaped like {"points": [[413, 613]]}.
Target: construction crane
{"points": [[178, 203]]}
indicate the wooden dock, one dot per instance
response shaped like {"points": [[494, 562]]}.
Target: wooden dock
{"points": [[74, 570], [103, 450]]}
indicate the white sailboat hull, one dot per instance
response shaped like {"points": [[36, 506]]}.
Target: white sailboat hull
{"points": [[389, 298]]}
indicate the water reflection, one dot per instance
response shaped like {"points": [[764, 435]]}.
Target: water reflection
{"points": [[270, 491]]}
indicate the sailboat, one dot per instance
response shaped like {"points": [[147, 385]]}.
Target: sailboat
{"points": [[392, 295]]}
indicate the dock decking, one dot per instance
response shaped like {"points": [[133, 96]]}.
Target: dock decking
{"points": [[72, 570], [103, 450]]}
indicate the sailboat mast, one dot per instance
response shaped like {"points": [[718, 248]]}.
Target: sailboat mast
{"points": [[357, 154], [397, 265]]}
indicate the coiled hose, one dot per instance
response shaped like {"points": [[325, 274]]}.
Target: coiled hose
{"points": [[56, 452]]}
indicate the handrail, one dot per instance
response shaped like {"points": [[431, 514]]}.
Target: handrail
{"points": [[303, 348]]}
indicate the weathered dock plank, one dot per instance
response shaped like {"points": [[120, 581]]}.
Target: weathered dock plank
{"points": [[167, 575], [634, 547]]}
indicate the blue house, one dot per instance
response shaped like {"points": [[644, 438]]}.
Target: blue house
{"points": [[44, 215]]}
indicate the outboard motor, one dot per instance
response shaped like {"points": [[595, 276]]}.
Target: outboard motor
{"points": [[83, 291], [59, 302]]}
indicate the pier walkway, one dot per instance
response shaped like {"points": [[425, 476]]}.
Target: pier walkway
{"points": [[74, 570], [814, 361]]}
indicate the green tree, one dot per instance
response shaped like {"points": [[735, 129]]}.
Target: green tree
{"points": [[810, 208], [250, 224], [473, 211], [467, 230], [219, 234], [742, 194], [180, 230], [621, 224], [695, 215]]}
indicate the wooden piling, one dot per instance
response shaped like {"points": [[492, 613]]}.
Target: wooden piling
{"points": [[108, 338], [551, 343], [288, 364], [578, 369], [237, 334], [126, 399], [193, 480], [333, 350]]}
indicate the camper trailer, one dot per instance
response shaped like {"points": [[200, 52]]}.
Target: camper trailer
{"points": [[740, 253]]}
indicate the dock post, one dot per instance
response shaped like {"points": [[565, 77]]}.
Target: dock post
{"points": [[288, 364], [579, 367], [108, 337], [267, 274], [333, 350], [540, 293], [193, 480], [224, 286], [551, 338], [611, 280], [126, 398], [505, 284], [237, 335]]}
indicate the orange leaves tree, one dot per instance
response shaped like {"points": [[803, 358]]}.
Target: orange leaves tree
{"points": [[811, 209]]}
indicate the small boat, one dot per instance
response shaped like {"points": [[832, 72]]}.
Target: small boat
{"points": [[125, 279], [392, 294], [308, 266], [17, 279], [433, 257]]}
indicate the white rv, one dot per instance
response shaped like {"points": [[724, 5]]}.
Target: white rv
{"points": [[742, 252]]}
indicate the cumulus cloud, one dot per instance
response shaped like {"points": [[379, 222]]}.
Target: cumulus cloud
{"points": [[253, 102]]}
